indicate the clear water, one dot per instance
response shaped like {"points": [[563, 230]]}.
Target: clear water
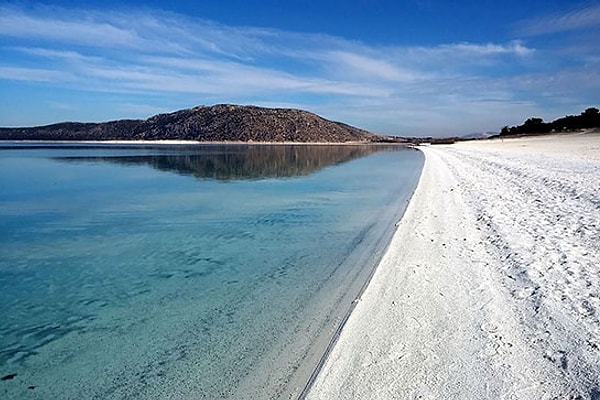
{"points": [[185, 272]]}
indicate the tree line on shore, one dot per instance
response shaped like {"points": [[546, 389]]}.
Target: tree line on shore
{"points": [[590, 118]]}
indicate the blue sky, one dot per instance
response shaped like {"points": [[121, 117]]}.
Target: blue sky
{"points": [[410, 68]]}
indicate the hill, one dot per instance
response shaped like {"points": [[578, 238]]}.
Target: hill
{"points": [[219, 123]]}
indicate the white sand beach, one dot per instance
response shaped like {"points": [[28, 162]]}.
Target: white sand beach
{"points": [[490, 288]]}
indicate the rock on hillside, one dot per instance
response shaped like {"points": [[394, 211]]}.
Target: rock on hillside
{"points": [[219, 123]]}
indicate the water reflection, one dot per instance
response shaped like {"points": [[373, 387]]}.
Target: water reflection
{"points": [[241, 162]]}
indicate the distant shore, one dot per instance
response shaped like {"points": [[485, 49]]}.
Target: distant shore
{"points": [[491, 285]]}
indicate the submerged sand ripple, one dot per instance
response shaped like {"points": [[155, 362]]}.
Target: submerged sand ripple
{"points": [[491, 286]]}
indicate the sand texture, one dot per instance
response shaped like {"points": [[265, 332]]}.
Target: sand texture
{"points": [[491, 286]]}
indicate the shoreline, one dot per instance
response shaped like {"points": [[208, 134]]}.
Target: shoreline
{"points": [[387, 237], [475, 274], [191, 143], [315, 349]]}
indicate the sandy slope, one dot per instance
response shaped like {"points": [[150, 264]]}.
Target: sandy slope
{"points": [[491, 286]]}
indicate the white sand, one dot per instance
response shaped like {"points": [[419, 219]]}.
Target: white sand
{"points": [[491, 286]]}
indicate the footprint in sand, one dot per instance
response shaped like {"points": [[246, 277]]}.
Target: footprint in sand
{"points": [[525, 292], [489, 327]]}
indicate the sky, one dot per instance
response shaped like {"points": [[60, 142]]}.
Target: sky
{"points": [[405, 68]]}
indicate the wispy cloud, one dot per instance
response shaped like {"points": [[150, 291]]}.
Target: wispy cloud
{"points": [[65, 55], [89, 30], [62, 106], [33, 74], [373, 66], [515, 47], [588, 17]]}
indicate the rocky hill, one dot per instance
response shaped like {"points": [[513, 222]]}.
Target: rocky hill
{"points": [[219, 123]]}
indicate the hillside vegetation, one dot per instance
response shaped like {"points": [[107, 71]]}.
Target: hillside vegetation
{"points": [[590, 118]]}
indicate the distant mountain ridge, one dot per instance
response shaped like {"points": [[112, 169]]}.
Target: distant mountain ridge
{"points": [[218, 123]]}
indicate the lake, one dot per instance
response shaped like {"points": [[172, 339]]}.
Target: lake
{"points": [[177, 272]]}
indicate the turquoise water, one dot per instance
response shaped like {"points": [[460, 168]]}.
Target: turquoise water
{"points": [[185, 272]]}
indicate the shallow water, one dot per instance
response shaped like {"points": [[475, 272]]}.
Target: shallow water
{"points": [[184, 272]]}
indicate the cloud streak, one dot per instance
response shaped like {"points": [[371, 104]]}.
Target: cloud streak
{"points": [[88, 32], [33, 74], [588, 17]]}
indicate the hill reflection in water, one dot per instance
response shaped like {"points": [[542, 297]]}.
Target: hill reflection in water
{"points": [[234, 162]]}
